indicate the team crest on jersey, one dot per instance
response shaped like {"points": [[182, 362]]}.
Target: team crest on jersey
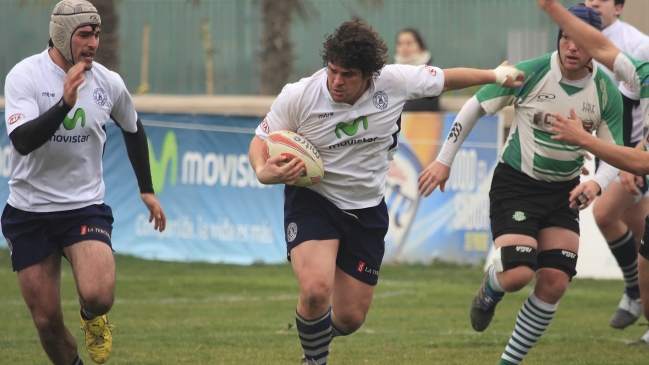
{"points": [[100, 97], [291, 231], [380, 100]]}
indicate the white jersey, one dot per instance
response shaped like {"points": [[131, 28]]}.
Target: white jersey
{"points": [[356, 142], [627, 39], [66, 172], [636, 74]]}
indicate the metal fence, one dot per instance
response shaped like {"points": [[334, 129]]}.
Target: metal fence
{"points": [[470, 33]]}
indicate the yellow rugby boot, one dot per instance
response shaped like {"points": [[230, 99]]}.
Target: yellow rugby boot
{"points": [[99, 338]]}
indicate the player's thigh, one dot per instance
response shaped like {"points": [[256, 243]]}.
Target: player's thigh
{"points": [[93, 266], [40, 285], [612, 203], [556, 261], [350, 297], [314, 264]]}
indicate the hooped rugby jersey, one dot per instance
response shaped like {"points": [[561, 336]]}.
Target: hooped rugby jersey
{"points": [[636, 74], [627, 39], [529, 147], [357, 142], [66, 172]]}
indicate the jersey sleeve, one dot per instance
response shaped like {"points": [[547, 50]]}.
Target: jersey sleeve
{"points": [[20, 99], [494, 97], [633, 72], [281, 116], [611, 127], [123, 111], [639, 54], [421, 81]]}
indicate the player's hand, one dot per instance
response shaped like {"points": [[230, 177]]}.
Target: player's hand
{"points": [[436, 174], [544, 4], [569, 130], [156, 212], [277, 170], [509, 76], [583, 195], [629, 181], [72, 82]]}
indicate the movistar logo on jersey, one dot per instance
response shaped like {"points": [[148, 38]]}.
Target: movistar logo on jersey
{"points": [[70, 123], [351, 129], [168, 160]]}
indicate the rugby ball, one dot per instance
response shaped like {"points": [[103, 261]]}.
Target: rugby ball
{"points": [[292, 145]]}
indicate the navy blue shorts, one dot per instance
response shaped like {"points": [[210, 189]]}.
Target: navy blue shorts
{"points": [[361, 232], [33, 236]]}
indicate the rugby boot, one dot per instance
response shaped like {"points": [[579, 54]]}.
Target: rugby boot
{"points": [[99, 338], [628, 311], [483, 306], [644, 340]]}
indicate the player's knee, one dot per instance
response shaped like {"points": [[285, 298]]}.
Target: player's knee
{"points": [[97, 301], [556, 269], [351, 321], [48, 320], [517, 265], [603, 219], [316, 294]]}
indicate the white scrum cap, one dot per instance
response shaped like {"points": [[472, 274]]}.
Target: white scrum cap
{"points": [[67, 17]]}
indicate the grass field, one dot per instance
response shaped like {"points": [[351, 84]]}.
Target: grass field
{"points": [[180, 313]]}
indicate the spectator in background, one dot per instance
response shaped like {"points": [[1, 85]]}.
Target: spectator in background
{"points": [[412, 50]]}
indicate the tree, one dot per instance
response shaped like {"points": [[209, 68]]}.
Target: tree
{"points": [[276, 58]]}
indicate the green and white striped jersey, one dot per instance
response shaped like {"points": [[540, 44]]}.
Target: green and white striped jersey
{"points": [[529, 147], [636, 75]]}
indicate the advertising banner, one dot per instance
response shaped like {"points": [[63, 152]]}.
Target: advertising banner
{"points": [[452, 226], [216, 209]]}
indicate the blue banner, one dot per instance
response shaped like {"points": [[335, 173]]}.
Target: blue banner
{"points": [[217, 211], [452, 226]]}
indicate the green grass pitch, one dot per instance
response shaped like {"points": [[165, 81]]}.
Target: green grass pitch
{"points": [[196, 313]]}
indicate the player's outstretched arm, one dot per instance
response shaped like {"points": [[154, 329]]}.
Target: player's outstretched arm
{"points": [[624, 158], [584, 35], [438, 172], [273, 170], [504, 75]]}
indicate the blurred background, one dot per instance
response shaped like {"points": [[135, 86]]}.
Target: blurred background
{"points": [[204, 72]]}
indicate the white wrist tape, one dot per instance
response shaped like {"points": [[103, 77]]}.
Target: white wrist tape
{"points": [[503, 71]]}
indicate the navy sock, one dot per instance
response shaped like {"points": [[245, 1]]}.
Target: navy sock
{"points": [[626, 255], [87, 315], [336, 331], [77, 361], [315, 336]]}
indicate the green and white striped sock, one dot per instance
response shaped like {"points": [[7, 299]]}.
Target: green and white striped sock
{"points": [[533, 318]]}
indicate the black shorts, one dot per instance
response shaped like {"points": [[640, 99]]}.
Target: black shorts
{"points": [[361, 232], [33, 236], [520, 204]]}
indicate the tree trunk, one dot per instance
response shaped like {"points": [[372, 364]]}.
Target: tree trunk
{"points": [[276, 59], [108, 51]]}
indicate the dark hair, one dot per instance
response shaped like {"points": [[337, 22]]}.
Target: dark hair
{"points": [[619, 2], [355, 45], [415, 33]]}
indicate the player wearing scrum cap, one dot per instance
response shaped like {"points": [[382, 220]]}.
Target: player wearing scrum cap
{"points": [[335, 230], [620, 210], [636, 160], [57, 104], [536, 190]]}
